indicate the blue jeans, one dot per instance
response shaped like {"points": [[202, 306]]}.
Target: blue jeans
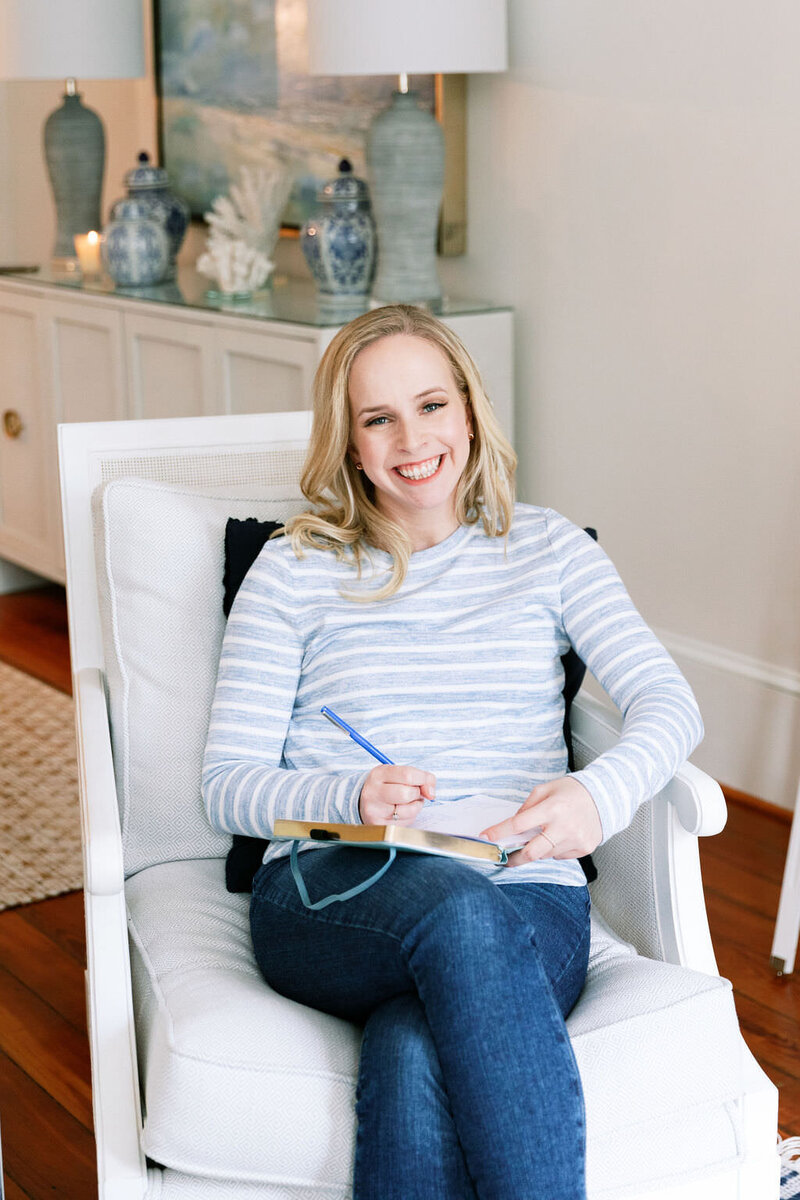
{"points": [[468, 1086]]}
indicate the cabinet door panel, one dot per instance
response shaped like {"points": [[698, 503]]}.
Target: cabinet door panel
{"points": [[263, 373], [170, 367], [88, 368], [27, 485]]}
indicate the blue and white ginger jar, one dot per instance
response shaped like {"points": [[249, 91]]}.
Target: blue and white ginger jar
{"points": [[339, 242], [136, 249], [149, 185]]}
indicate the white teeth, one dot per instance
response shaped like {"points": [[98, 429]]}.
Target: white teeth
{"points": [[423, 471]]}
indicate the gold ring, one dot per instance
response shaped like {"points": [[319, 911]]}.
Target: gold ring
{"points": [[546, 838]]}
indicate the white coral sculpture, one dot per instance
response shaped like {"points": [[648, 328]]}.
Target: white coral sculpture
{"points": [[233, 265], [244, 229]]}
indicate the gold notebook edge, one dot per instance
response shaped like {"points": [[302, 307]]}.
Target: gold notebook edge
{"points": [[401, 836]]}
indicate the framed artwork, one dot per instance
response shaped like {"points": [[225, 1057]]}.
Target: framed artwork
{"points": [[234, 88]]}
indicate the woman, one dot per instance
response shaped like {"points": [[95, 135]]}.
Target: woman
{"points": [[431, 612]]}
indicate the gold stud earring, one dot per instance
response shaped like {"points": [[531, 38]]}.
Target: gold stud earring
{"points": [[359, 467], [471, 437]]}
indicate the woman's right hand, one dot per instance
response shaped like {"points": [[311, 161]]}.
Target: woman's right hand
{"points": [[391, 789]]}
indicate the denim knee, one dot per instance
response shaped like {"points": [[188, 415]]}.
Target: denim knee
{"points": [[468, 914]]}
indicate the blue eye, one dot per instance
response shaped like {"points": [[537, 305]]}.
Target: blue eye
{"points": [[375, 421], [432, 405]]}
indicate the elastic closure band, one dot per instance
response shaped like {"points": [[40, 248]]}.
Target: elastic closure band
{"points": [[354, 891]]}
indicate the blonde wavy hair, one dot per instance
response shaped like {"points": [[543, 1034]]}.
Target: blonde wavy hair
{"points": [[345, 518]]}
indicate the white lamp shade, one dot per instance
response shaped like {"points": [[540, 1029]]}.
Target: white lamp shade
{"points": [[413, 37], [86, 39]]}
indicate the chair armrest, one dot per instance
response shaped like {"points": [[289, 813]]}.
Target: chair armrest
{"points": [[695, 796], [698, 801], [102, 837], [649, 886], [121, 1164]]}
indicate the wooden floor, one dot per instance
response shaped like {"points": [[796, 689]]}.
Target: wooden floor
{"points": [[45, 1093]]}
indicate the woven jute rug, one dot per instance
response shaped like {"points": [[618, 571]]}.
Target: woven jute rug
{"points": [[40, 833]]}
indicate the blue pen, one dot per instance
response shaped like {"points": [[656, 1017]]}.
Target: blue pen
{"points": [[362, 741]]}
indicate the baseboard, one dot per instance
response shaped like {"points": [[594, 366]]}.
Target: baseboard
{"points": [[776, 811], [18, 579], [751, 711], [769, 675]]}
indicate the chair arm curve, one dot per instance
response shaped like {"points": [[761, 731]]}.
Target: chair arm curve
{"points": [[102, 836], [696, 798], [698, 801]]}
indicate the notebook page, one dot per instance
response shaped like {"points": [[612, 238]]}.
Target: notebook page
{"points": [[469, 816]]}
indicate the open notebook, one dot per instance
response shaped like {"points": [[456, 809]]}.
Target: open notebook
{"points": [[443, 827]]}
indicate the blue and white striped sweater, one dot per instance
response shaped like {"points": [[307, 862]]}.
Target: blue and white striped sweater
{"points": [[459, 673]]}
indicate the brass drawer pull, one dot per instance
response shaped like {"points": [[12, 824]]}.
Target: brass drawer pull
{"points": [[12, 423]]}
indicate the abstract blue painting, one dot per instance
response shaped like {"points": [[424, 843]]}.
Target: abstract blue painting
{"points": [[234, 89]]}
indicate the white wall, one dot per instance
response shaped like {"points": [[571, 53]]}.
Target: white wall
{"points": [[634, 193]]}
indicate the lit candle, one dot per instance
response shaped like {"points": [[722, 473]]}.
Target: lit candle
{"points": [[87, 248]]}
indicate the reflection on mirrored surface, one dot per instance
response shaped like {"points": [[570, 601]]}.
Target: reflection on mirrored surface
{"points": [[284, 299]]}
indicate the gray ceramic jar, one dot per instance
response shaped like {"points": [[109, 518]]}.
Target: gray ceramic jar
{"points": [[339, 242], [149, 186], [135, 249]]}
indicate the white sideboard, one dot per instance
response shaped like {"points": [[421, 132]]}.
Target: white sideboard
{"points": [[73, 351]]}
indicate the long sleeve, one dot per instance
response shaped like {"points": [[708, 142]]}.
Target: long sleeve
{"points": [[459, 673], [247, 783], [661, 720]]}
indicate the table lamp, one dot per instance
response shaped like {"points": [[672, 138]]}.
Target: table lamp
{"points": [[70, 39], [405, 145]]}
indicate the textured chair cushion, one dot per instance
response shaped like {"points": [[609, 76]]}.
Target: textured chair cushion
{"points": [[159, 553], [176, 1185], [241, 1084]]}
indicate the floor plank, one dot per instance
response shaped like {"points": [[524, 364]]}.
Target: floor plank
{"points": [[14, 1191], [43, 967], [742, 872], [47, 1048], [61, 919], [34, 636], [46, 1151]]}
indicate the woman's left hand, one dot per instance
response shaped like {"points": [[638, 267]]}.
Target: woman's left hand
{"points": [[562, 819]]}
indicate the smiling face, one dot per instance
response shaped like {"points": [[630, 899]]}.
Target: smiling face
{"points": [[410, 432]]}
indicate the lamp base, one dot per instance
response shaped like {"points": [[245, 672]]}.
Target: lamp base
{"points": [[74, 149], [405, 155]]}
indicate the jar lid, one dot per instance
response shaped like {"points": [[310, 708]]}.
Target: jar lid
{"points": [[346, 185], [146, 175]]}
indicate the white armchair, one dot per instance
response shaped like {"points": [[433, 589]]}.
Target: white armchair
{"points": [[205, 1082]]}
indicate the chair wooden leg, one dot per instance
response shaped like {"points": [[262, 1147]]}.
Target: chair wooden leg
{"points": [[787, 926]]}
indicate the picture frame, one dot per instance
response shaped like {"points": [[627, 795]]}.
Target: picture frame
{"points": [[233, 89]]}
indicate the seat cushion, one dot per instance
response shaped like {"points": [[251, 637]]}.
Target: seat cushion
{"points": [[162, 633], [238, 1082], [242, 1084]]}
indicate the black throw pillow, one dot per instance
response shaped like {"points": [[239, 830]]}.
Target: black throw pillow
{"points": [[244, 541]]}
